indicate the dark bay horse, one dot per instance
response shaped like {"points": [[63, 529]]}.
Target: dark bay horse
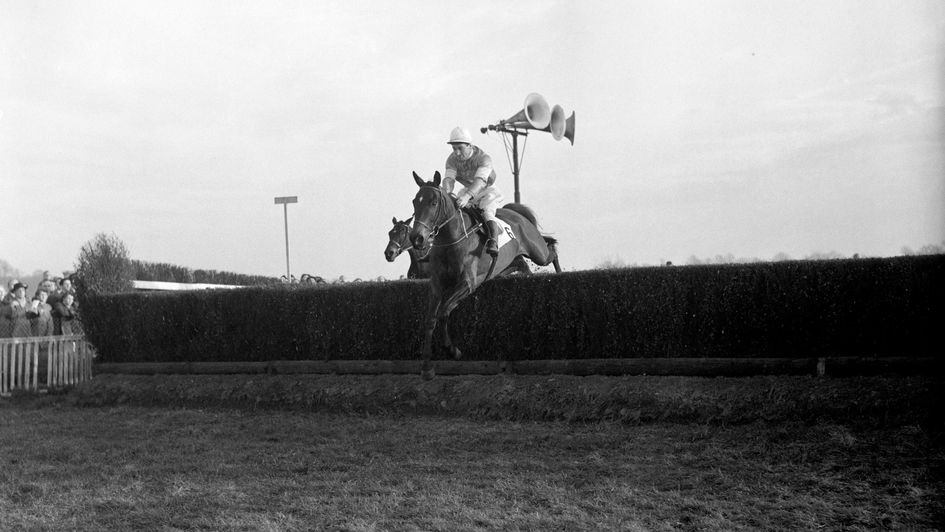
{"points": [[458, 261], [399, 241]]}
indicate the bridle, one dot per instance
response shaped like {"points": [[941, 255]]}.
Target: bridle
{"points": [[435, 229], [404, 230]]}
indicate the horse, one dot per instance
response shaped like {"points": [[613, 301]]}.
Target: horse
{"points": [[399, 241], [458, 261]]}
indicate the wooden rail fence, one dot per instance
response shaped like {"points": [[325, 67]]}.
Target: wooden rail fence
{"points": [[44, 362]]}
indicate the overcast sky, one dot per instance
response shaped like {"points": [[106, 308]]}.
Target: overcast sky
{"points": [[702, 127]]}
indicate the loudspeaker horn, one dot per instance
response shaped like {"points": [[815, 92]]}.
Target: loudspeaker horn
{"points": [[559, 127], [569, 128], [535, 114]]}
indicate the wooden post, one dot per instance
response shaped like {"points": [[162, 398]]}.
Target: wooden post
{"points": [[3, 369], [19, 366], [54, 365], [35, 371], [50, 357]]}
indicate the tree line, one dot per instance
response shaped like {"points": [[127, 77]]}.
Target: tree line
{"points": [[730, 258]]}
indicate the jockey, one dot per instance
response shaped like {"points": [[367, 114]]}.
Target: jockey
{"points": [[472, 167]]}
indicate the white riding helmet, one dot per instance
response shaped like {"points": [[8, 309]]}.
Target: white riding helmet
{"points": [[459, 135]]}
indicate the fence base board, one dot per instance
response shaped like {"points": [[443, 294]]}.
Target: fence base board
{"points": [[693, 367]]}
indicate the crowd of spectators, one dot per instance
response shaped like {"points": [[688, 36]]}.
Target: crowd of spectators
{"points": [[52, 310]]}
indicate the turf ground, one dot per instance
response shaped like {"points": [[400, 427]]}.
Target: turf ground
{"points": [[167, 468]]}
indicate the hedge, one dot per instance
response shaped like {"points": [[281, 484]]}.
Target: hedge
{"points": [[855, 307]]}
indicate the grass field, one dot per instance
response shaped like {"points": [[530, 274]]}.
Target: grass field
{"points": [[158, 468]]}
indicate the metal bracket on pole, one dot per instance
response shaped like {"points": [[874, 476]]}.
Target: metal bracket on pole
{"points": [[516, 162]]}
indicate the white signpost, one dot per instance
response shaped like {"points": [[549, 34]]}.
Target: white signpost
{"points": [[285, 201]]}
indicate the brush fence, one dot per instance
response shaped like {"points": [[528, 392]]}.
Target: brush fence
{"points": [[44, 362]]}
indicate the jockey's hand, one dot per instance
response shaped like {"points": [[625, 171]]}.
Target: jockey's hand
{"points": [[462, 200]]}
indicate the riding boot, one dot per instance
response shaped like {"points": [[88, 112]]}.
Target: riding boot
{"points": [[492, 245]]}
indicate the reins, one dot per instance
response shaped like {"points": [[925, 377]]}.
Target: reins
{"points": [[435, 230]]}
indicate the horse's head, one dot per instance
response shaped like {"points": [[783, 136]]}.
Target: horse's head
{"points": [[432, 207], [399, 239]]}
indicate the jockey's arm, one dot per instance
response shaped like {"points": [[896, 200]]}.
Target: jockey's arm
{"points": [[480, 180], [470, 192], [449, 180]]}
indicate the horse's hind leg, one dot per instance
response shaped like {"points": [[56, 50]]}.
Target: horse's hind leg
{"points": [[521, 266], [553, 248]]}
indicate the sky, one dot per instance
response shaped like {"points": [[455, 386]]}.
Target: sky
{"points": [[702, 127]]}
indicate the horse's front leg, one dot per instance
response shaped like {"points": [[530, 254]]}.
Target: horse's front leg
{"points": [[461, 291], [446, 307], [426, 348]]}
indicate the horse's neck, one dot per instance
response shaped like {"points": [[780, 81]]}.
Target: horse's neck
{"points": [[416, 255], [458, 227]]}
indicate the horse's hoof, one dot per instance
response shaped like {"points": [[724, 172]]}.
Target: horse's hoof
{"points": [[427, 374], [457, 354]]}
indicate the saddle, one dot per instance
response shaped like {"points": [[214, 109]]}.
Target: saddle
{"points": [[505, 231], [476, 214]]}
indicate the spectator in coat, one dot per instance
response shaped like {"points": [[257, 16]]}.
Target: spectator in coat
{"points": [[6, 326], [65, 286], [41, 315], [64, 315], [8, 296], [49, 286], [19, 307]]}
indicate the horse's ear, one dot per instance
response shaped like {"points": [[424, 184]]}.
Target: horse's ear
{"points": [[419, 181], [394, 220], [408, 220], [436, 178]]}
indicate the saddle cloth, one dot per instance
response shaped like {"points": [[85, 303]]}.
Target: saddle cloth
{"points": [[505, 235]]}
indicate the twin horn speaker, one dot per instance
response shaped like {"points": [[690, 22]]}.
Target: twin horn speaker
{"points": [[536, 114]]}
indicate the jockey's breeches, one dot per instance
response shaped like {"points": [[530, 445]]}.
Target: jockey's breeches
{"points": [[489, 199]]}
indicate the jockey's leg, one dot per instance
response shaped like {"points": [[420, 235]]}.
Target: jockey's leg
{"points": [[492, 243], [489, 201]]}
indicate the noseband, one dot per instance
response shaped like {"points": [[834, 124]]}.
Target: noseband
{"points": [[400, 247], [399, 243]]}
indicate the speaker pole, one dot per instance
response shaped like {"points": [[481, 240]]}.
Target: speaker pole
{"points": [[536, 115], [515, 168]]}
